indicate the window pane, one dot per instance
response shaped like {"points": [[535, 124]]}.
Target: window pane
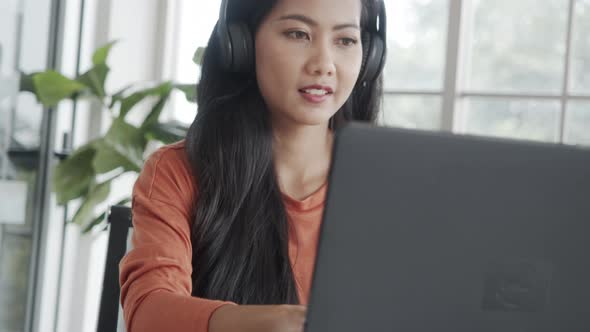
{"points": [[27, 125], [577, 125], [196, 22], [14, 275], [8, 41], [414, 112], [512, 118], [4, 109], [417, 34], [580, 73], [517, 46], [197, 19]]}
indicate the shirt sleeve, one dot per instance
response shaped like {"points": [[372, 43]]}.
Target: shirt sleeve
{"points": [[155, 275]]}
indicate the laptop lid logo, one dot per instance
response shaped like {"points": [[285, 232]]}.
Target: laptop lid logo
{"points": [[517, 286]]}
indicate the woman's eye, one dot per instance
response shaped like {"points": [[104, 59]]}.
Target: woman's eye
{"points": [[348, 41], [297, 35]]}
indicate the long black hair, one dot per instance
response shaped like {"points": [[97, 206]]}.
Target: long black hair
{"points": [[240, 229]]}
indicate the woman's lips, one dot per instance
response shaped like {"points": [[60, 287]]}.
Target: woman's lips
{"points": [[314, 99], [311, 93]]}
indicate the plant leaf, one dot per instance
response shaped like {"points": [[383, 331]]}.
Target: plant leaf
{"points": [[198, 56], [74, 176], [27, 83], [122, 146], [189, 90], [95, 79], [118, 96], [100, 55], [129, 102], [152, 118], [96, 195], [167, 133], [52, 87]]}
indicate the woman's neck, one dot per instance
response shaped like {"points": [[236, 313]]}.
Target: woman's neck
{"points": [[302, 157]]}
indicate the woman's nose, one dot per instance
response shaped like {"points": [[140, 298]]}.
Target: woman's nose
{"points": [[321, 61]]}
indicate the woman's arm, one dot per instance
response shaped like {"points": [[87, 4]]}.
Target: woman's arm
{"points": [[155, 276], [258, 318]]}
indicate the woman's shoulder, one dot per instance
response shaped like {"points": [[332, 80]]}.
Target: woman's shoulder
{"points": [[166, 174], [172, 155]]}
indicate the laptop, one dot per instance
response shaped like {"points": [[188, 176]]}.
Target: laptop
{"points": [[428, 232]]}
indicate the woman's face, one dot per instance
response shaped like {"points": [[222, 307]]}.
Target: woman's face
{"points": [[308, 58]]}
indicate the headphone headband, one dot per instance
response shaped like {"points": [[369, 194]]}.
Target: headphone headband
{"points": [[381, 19]]}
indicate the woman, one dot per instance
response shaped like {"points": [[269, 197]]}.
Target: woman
{"points": [[227, 221]]}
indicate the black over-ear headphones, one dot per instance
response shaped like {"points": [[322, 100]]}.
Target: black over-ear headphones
{"points": [[237, 45], [374, 49]]}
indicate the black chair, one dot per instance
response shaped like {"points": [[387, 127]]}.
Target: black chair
{"points": [[119, 220]]}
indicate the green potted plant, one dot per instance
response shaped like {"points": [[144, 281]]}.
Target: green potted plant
{"points": [[88, 172]]}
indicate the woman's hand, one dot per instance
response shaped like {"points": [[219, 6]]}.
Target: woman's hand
{"points": [[259, 318]]}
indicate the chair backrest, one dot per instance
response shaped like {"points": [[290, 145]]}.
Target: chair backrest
{"points": [[119, 220]]}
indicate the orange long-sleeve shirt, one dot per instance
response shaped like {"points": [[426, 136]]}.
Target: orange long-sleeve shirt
{"points": [[155, 275]]}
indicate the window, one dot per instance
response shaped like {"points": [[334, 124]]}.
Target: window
{"points": [[414, 73], [518, 69], [511, 69], [516, 46], [23, 27], [578, 123], [511, 117], [195, 22], [515, 59], [580, 61], [417, 43]]}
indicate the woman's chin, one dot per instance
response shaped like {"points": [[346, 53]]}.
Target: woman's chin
{"points": [[306, 116], [314, 117]]}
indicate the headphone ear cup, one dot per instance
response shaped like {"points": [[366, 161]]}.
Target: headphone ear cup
{"points": [[225, 47], [373, 57], [242, 48], [366, 43]]}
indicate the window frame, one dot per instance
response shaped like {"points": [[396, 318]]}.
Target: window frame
{"points": [[457, 56]]}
